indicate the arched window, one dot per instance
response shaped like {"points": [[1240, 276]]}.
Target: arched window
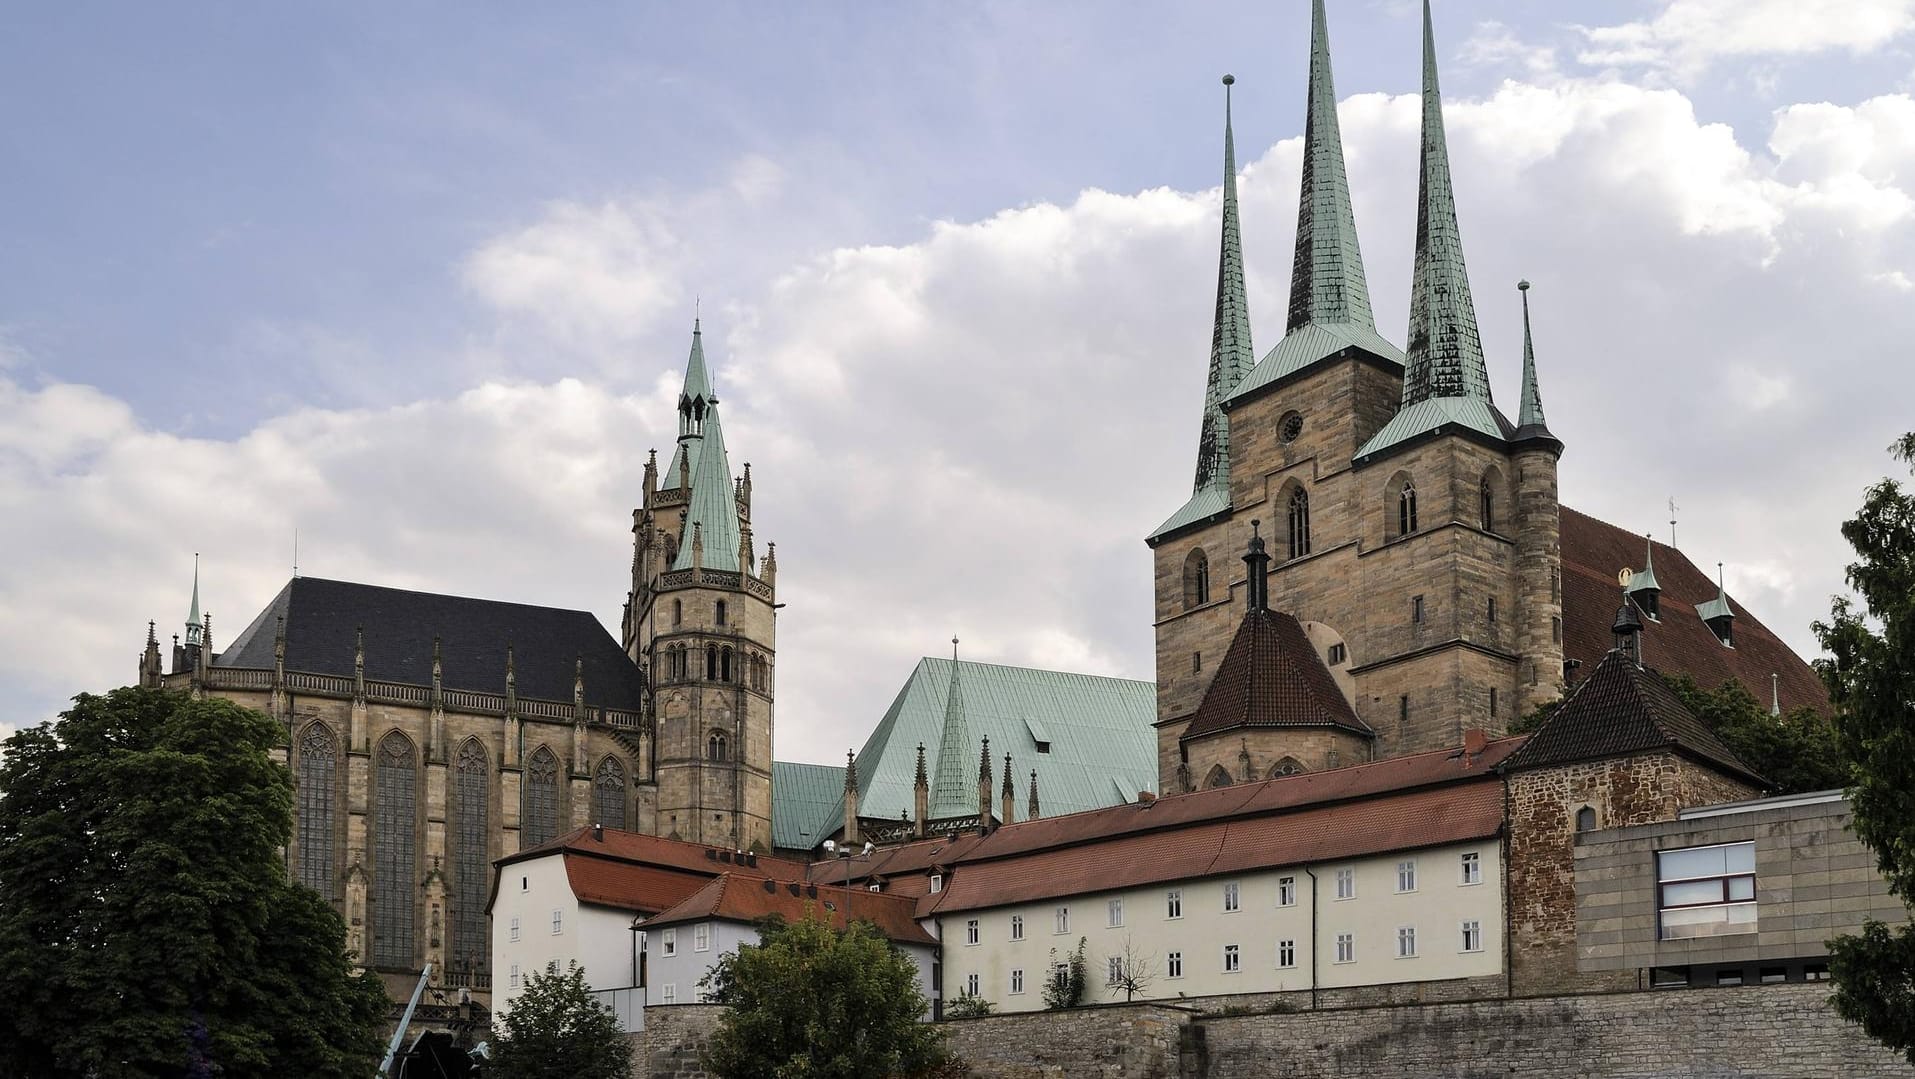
{"points": [[608, 794], [1488, 498], [718, 746], [1196, 579], [1288, 766], [318, 793], [395, 842], [718, 612], [711, 663], [471, 855], [1299, 523], [1406, 508], [681, 668], [539, 820], [1217, 777], [1586, 819], [678, 612], [724, 665]]}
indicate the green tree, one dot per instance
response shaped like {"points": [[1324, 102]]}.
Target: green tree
{"points": [[556, 1030], [810, 1001], [1871, 678], [1796, 752], [1065, 984], [147, 922]]}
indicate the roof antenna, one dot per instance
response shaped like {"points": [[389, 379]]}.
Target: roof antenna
{"points": [[295, 551], [1672, 520]]}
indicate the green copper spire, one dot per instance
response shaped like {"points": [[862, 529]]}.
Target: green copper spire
{"points": [[1230, 351], [955, 792], [1530, 419], [711, 514], [1326, 279], [697, 379], [194, 626], [693, 400], [1445, 348]]}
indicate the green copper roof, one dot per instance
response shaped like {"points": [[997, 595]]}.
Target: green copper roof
{"points": [[1467, 415], [1101, 737], [803, 798], [1326, 278], [1645, 579], [713, 504], [1310, 343], [1530, 418], [1203, 505], [954, 792], [194, 627], [1710, 610], [687, 451], [697, 378], [1230, 350]]}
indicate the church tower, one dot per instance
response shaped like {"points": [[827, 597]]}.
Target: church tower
{"points": [[699, 620], [1412, 528]]}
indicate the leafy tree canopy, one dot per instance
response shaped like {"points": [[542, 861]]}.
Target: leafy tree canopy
{"points": [[1871, 677], [810, 1001], [147, 922], [554, 1029]]}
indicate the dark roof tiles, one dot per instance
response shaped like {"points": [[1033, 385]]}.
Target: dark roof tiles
{"points": [[1272, 676]]}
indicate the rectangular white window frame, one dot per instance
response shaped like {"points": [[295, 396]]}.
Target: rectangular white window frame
{"points": [[1286, 891], [1472, 867], [1174, 965], [558, 922], [1114, 967], [1017, 981], [1406, 942], [1232, 959], [1346, 948], [1406, 876], [1115, 912], [1174, 903], [701, 938], [515, 927], [937, 883], [515, 976], [972, 934], [971, 985], [873, 887], [1061, 920], [668, 994], [1472, 936], [1232, 897], [1286, 954], [668, 942], [1017, 927], [1346, 884]]}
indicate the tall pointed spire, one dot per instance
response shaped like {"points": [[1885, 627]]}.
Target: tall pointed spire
{"points": [[194, 629], [954, 794], [1445, 348], [693, 401], [1530, 418], [697, 377], [711, 513], [1326, 278], [1231, 355]]}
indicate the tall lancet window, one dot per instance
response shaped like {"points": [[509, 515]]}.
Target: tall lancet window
{"points": [[1489, 506], [395, 845], [1196, 578], [471, 865], [608, 794], [540, 818], [318, 793], [1406, 509], [1299, 523]]}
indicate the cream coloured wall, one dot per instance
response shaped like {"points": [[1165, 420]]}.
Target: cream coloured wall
{"points": [[1436, 908], [597, 938]]}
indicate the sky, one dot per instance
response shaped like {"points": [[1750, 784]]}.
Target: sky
{"points": [[416, 282]]}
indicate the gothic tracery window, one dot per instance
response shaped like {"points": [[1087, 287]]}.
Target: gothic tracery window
{"points": [[724, 665], [471, 864], [1406, 508], [1487, 495], [718, 746], [318, 792], [1288, 766], [711, 663], [608, 794], [1299, 523], [1218, 777], [540, 820], [395, 861], [1196, 579]]}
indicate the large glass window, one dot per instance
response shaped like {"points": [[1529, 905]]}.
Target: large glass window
{"points": [[1706, 891], [395, 871], [608, 793], [318, 790], [471, 859], [540, 817]]}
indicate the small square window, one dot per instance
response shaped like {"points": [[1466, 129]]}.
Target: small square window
{"points": [[1815, 972], [525, 884], [515, 927], [971, 985], [1346, 884], [668, 943], [558, 922], [971, 933], [1556, 631], [1174, 965], [1472, 936], [1017, 927], [701, 938], [1338, 654], [1472, 867], [1232, 959], [937, 883], [1406, 876], [1174, 903], [1406, 942], [1286, 954], [1492, 702], [1061, 920], [1196, 662], [1771, 975], [1114, 970], [1232, 897], [1017, 981], [1403, 709], [1115, 913], [1729, 977], [668, 994], [515, 976], [1286, 891], [1346, 948], [1416, 609], [1492, 609]]}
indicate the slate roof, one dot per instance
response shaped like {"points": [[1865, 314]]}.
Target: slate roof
{"points": [[732, 898], [322, 617], [1272, 677], [1100, 728], [1622, 709], [803, 798], [1593, 550]]}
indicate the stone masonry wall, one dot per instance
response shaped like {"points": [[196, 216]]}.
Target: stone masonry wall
{"points": [[674, 1038], [1118, 1041], [1774, 1030]]}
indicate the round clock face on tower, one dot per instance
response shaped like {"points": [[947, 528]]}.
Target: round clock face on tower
{"points": [[1290, 426]]}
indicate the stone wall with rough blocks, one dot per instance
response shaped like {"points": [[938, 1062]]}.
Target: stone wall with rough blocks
{"points": [[1773, 1030], [674, 1038], [1115, 1041]]}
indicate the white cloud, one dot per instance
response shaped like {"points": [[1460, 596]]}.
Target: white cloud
{"points": [[1687, 36], [971, 432]]}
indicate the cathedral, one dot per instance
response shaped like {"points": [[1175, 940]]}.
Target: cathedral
{"points": [[1371, 562]]}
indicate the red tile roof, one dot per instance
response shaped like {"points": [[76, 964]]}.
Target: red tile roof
{"points": [[641, 873], [1455, 813], [1272, 677], [1680, 642], [744, 898]]}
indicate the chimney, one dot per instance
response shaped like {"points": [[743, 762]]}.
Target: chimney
{"points": [[1144, 798], [1475, 739], [598, 833]]}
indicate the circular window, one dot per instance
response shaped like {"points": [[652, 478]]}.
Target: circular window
{"points": [[1291, 426]]}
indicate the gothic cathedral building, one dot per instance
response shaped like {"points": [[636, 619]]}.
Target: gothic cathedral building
{"points": [[430, 735]]}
